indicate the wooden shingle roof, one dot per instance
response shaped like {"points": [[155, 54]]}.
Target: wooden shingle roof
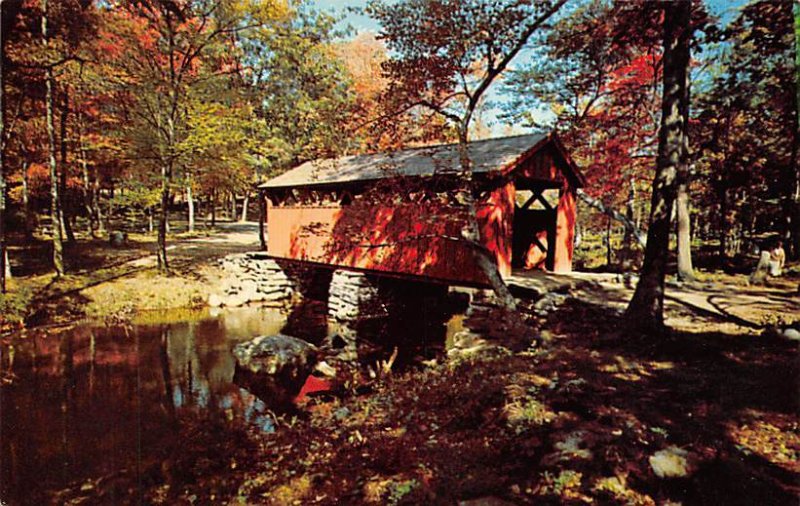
{"points": [[490, 155]]}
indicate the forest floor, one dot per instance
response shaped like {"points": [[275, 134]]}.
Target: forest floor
{"points": [[108, 282], [705, 414]]}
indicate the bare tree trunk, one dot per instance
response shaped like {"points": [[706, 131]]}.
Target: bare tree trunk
{"points": [[262, 218], [110, 212], [3, 251], [88, 193], [722, 225], [213, 208], [233, 207], [26, 199], [628, 237], [646, 309], [98, 209], [166, 177], [683, 220], [608, 242], [190, 203], [55, 222], [683, 225], [64, 209], [629, 225], [471, 230], [150, 220], [244, 206]]}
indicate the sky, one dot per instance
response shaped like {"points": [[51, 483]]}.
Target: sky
{"points": [[724, 9], [357, 22]]}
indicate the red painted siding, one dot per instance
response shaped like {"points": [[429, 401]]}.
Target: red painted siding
{"points": [[407, 238], [421, 238]]}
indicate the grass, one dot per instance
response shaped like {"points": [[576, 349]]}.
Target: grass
{"points": [[104, 282]]}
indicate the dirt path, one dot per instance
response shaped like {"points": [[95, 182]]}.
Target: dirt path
{"points": [[231, 238], [115, 282], [726, 300]]}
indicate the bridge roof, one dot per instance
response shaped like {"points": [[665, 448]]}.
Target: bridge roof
{"points": [[490, 155]]}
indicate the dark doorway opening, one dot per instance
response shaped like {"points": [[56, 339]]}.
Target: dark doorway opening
{"points": [[534, 227]]}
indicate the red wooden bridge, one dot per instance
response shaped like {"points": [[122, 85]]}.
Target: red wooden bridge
{"points": [[391, 213]]}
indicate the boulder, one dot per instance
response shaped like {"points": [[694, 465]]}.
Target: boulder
{"points": [[792, 334], [672, 462], [274, 367], [117, 238], [215, 300]]}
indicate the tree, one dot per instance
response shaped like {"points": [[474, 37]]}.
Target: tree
{"points": [[445, 56], [364, 57], [646, 308], [744, 139], [169, 46], [596, 78], [3, 254], [299, 89], [55, 215]]}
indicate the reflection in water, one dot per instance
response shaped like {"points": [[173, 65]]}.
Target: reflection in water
{"points": [[96, 401], [93, 401]]}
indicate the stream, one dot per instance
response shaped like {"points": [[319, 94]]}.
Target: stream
{"points": [[92, 400]]}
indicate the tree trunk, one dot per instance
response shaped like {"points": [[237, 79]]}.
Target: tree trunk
{"points": [[628, 237], [110, 212], [791, 206], [244, 206], [64, 209], [646, 309], [98, 210], [3, 255], [166, 177], [88, 193], [213, 208], [233, 207], [471, 230], [629, 225], [608, 242], [262, 218], [683, 220], [55, 222], [683, 225], [190, 203], [26, 199], [722, 225]]}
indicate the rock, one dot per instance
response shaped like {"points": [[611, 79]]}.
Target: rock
{"points": [[274, 367], [251, 277], [672, 462], [214, 300], [791, 333], [325, 369], [117, 238]]}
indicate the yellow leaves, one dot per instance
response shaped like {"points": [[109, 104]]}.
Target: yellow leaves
{"points": [[260, 11], [291, 493], [617, 487], [776, 439]]}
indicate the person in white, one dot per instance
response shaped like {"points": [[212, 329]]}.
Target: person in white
{"points": [[777, 257]]}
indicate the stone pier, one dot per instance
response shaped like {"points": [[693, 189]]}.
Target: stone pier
{"points": [[253, 277], [352, 298]]}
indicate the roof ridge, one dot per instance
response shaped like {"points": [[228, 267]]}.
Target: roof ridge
{"points": [[429, 146]]}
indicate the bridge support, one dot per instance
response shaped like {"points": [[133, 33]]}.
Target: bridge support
{"points": [[352, 298]]}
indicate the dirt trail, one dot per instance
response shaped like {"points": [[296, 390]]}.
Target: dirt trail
{"points": [[727, 300]]}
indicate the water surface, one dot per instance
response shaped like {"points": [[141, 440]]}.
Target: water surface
{"points": [[97, 401], [94, 400]]}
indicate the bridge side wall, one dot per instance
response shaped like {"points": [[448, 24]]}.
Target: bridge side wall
{"points": [[415, 238]]}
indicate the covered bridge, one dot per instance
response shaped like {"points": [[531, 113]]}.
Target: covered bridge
{"points": [[394, 212]]}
